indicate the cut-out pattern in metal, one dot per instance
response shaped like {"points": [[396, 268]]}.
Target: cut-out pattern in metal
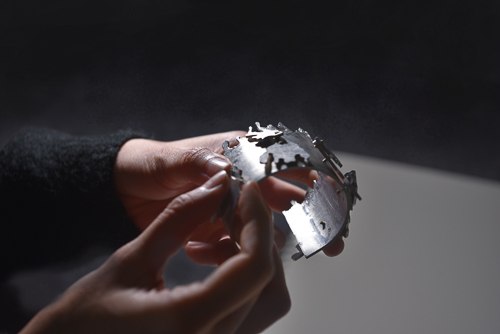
{"points": [[324, 214]]}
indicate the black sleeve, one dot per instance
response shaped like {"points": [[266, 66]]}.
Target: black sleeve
{"points": [[57, 197]]}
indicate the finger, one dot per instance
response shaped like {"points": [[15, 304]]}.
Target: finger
{"points": [[279, 194], [261, 312], [213, 141], [182, 168], [172, 228], [304, 176], [335, 248], [273, 303], [248, 272], [209, 232], [216, 251], [201, 157], [156, 170], [211, 254], [279, 238]]}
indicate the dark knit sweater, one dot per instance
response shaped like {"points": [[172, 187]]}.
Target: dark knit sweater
{"points": [[57, 197]]}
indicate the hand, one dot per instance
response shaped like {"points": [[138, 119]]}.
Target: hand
{"points": [[148, 174], [127, 294]]}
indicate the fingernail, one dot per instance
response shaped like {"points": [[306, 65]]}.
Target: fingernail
{"points": [[215, 165], [216, 180], [195, 244]]}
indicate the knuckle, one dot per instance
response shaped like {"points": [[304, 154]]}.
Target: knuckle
{"points": [[195, 155], [121, 260], [181, 202], [195, 158], [130, 258], [120, 256]]}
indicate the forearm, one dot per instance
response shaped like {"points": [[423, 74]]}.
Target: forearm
{"points": [[57, 196]]}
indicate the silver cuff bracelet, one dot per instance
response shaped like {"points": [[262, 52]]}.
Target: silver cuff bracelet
{"points": [[324, 214]]}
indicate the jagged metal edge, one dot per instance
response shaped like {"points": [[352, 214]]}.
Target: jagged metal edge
{"points": [[348, 184]]}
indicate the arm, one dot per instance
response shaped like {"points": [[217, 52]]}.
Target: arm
{"points": [[57, 196], [71, 184]]}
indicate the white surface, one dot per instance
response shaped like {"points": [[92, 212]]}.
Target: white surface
{"points": [[422, 257]]}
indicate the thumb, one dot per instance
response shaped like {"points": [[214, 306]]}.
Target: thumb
{"points": [[172, 228]]}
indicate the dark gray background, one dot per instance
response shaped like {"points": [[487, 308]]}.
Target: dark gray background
{"points": [[415, 82]]}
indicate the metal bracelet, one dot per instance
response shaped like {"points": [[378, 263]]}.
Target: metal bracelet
{"points": [[324, 214]]}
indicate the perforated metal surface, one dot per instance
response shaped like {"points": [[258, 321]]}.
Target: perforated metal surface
{"points": [[324, 214]]}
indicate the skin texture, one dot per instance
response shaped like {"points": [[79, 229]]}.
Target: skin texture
{"points": [[170, 190], [127, 293], [149, 174]]}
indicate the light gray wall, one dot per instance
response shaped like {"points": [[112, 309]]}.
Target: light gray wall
{"points": [[422, 257]]}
